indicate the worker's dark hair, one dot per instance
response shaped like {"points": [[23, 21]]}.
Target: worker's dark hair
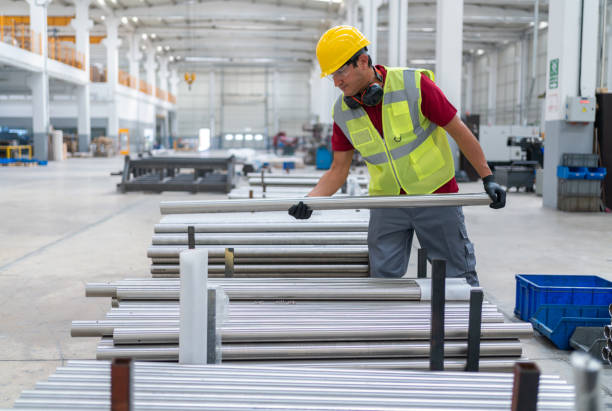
{"points": [[353, 60]]}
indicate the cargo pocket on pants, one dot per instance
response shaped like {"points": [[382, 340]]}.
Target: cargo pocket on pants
{"points": [[470, 258]]}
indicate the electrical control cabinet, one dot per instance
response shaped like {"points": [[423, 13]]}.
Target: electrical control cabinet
{"points": [[580, 109]]}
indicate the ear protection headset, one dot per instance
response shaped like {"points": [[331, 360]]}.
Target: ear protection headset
{"points": [[370, 96]]}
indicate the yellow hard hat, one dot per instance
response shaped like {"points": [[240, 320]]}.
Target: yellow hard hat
{"points": [[337, 45]]}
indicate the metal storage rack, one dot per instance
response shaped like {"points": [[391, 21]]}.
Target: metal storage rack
{"points": [[194, 174]]}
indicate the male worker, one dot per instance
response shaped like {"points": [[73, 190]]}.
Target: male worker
{"points": [[397, 118]]}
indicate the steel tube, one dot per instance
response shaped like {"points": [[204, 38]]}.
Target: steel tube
{"points": [[255, 227], [312, 350], [324, 203], [267, 251], [324, 332], [264, 239]]}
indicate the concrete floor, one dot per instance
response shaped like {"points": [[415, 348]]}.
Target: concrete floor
{"points": [[64, 225]]}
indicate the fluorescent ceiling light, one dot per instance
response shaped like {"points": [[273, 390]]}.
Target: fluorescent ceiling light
{"points": [[101, 2], [543, 25], [103, 17], [159, 48], [135, 19], [239, 137], [153, 36], [166, 48], [124, 20], [248, 137], [422, 61], [428, 29], [144, 36], [229, 137], [258, 137], [480, 52]]}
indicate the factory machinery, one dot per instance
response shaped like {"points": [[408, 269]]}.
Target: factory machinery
{"points": [[297, 338]]}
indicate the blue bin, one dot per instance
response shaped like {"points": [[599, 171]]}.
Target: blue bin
{"points": [[288, 165], [534, 290], [595, 173], [324, 158], [571, 173], [558, 322]]}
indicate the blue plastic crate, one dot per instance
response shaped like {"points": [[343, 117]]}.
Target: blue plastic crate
{"points": [[534, 290], [595, 173], [571, 173], [558, 322]]}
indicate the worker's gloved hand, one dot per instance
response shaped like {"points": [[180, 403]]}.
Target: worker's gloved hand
{"points": [[300, 211], [495, 191]]}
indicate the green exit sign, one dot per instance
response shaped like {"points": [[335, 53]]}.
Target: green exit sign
{"points": [[553, 81]]}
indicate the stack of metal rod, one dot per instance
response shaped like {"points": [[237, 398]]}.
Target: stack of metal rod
{"points": [[329, 244], [363, 322], [161, 386], [606, 351], [294, 184]]}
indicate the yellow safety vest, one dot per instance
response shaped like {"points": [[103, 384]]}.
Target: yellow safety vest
{"points": [[414, 153]]}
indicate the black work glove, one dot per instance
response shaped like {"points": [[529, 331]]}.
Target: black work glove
{"points": [[495, 191], [300, 211]]}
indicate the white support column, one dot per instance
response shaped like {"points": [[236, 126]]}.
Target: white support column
{"points": [[212, 106], [568, 73], [112, 43], [163, 73], [449, 55], [589, 47], [352, 13], [276, 99], [609, 56], [39, 84], [492, 88], [82, 25], [134, 56], [370, 24], [398, 16], [521, 92], [173, 130], [151, 67], [469, 85]]}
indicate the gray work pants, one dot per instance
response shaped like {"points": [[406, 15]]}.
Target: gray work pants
{"points": [[440, 230]]}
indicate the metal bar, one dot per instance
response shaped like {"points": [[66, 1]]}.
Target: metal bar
{"points": [[229, 263], [211, 326], [225, 240], [191, 237], [422, 263], [474, 330], [438, 276], [525, 388], [324, 203], [121, 385], [256, 227]]}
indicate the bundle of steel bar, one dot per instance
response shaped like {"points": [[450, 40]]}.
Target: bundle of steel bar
{"points": [[329, 321], [274, 244], [161, 386]]}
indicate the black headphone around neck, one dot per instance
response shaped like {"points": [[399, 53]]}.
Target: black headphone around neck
{"points": [[370, 96]]}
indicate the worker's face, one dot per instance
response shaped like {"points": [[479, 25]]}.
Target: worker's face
{"points": [[352, 79]]}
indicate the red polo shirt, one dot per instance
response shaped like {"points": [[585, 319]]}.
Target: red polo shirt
{"points": [[434, 105]]}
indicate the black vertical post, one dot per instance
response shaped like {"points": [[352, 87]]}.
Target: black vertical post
{"points": [[438, 297], [191, 237], [525, 388], [211, 327], [474, 326], [121, 384], [422, 263]]}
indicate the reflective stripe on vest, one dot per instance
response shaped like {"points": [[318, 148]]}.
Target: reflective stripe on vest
{"points": [[405, 132]]}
